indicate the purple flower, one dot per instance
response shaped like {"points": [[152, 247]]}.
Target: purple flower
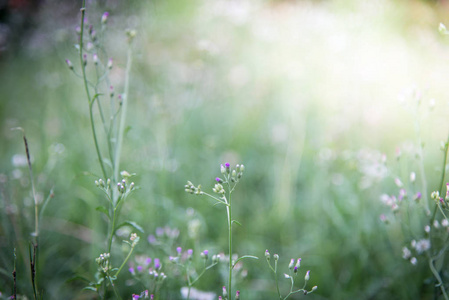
{"points": [[139, 268], [227, 165], [135, 296], [131, 270], [179, 250], [148, 260], [151, 239], [157, 263], [206, 252], [159, 231], [295, 269], [189, 252], [104, 17]]}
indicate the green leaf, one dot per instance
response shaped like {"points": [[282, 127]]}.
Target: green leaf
{"points": [[132, 224], [236, 222], [104, 210], [44, 205], [90, 288], [78, 277], [243, 257]]}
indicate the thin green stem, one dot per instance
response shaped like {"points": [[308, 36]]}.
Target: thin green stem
{"points": [[125, 261], [276, 278], [112, 230], [86, 86], [438, 278], [229, 212]]}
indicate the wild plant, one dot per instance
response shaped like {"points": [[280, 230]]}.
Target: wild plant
{"points": [[293, 269], [116, 185], [422, 219], [224, 187]]}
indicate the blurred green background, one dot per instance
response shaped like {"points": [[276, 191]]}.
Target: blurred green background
{"points": [[309, 95]]}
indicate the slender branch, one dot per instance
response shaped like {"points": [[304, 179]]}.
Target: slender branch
{"points": [[86, 86]]}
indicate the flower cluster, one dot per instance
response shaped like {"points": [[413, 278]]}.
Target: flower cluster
{"points": [[293, 267]]}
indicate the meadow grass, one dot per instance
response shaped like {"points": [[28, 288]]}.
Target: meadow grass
{"points": [[304, 94]]}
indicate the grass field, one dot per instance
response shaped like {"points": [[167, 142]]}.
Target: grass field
{"points": [[326, 103]]}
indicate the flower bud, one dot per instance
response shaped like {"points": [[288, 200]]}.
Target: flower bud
{"points": [[307, 277], [228, 167], [237, 295], [69, 64], [222, 169], [314, 289], [276, 257], [267, 255], [109, 65], [104, 17], [412, 177], [225, 293], [95, 58], [242, 168], [291, 264]]}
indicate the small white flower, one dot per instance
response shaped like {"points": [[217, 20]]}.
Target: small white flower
{"points": [[398, 182], [412, 177], [286, 275], [436, 224], [422, 245], [406, 253], [413, 261], [427, 228], [413, 243], [445, 223]]}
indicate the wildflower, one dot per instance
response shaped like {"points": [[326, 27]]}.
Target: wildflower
{"points": [[267, 254], [295, 269], [222, 169], [179, 250], [228, 167], [298, 263], [157, 263], [237, 295], [406, 253], [427, 228], [189, 253], [276, 257], [422, 245], [225, 293], [412, 177], [444, 223], [95, 58], [152, 239], [291, 264], [436, 224], [131, 270], [135, 296], [104, 17], [69, 64], [418, 196], [398, 182], [109, 65], [307, 277], [413, 261], [402, 194], [219, 180], [139, 269], [205, 254]]}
